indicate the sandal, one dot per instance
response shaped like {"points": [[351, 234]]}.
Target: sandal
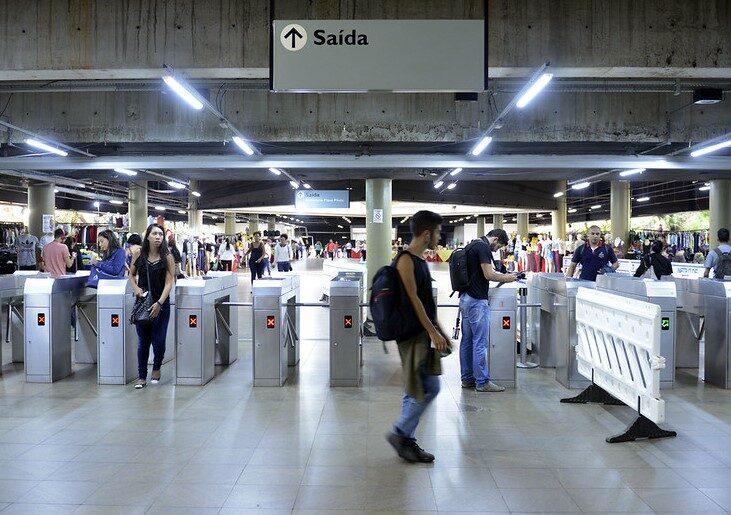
{"points": [[140, 383]]}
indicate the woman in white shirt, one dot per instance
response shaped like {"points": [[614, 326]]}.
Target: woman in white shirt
{"points": [[226, 255]]}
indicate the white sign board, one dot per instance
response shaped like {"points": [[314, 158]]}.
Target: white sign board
{"points": [[47, 224], [378, 216]]}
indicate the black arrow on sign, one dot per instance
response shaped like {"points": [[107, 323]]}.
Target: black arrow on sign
{"points": [[294, 34]]}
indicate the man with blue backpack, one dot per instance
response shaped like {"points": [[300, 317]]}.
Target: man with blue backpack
{"points": [[420, 340]]}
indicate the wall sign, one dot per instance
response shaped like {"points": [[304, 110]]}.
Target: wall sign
{"points": [[378, 55], [47, 224], [378, 216], [322, 199]]}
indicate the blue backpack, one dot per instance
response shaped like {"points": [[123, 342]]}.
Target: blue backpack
{"points": [[391, 309]]}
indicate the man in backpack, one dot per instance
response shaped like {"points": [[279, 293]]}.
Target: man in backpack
{"points": [[719, 259], [420, 363], [475, 311], [593, 255]]}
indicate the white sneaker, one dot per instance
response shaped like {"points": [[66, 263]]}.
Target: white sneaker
{"points": [[489, 387]]}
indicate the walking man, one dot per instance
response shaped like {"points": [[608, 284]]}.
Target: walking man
{"points": [[475, 311], [283, 255], [719, 259], [419, 361]]}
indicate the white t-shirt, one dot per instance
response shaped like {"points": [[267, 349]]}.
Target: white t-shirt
{"points": [[226, 252], [26, 245], [282, 254]]}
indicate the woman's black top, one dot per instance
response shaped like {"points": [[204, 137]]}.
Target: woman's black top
{"points": [[660, 265], [157, 271], [256, 252]]}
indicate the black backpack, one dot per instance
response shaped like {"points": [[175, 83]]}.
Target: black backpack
{"points": [[391, 309], [723, 266], [459, 274]]}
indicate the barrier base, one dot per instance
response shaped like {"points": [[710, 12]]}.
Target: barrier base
{"points": [[594, 393], [643, 427]]}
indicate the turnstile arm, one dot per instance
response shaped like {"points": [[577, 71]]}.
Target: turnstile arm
{"points": [[225, 325], [79, 309]]}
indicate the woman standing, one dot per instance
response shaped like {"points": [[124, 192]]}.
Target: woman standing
{"points": [[318, 249], [257, 257], [113, 264], [156, 262], [226, 255]]}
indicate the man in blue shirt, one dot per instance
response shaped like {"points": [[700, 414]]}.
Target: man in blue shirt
{"points": [[716, 258], [593, 256]]}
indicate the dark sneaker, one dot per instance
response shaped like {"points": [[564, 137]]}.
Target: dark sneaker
{"points": [[468, 384], [408, 449], [419, 454], [489, 387]]}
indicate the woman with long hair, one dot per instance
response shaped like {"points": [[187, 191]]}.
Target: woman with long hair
{"points": [[226, 255], [113, 263], [156, 262], [258, 254]]}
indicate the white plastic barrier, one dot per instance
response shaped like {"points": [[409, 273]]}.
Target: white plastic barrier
{"points": [[619, 350]]}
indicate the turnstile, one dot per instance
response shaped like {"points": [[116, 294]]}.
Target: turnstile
{"points": [[11, 306], [690, 324], [207, 330], [117, 338], [558, 326], [533, 317], [718, 331], [85, 326], [274, 328], [545, 350], [346, 349], [48, 307], [503, 301], [660, 293]]}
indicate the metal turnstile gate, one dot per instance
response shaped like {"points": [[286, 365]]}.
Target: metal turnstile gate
{"points": [[11, 306], [503, 301], [48, 307], [275, 336], [206, 326], [117, 338], [346, 349]]}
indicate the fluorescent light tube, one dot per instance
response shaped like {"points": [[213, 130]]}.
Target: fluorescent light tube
{"points": [[183, 92], [116, 202], [581, 186], [294, 184], [532, 91], [481, 146], [438, 184], [558, 194], [455, 172], [697, 153], [97, 204], [539, 215], [307, 186], [643, 199], [275, 171], [452, 186], [177, 185], [704, 188], [243, 145], [195, 193], [43, 146], [633, 171], [572, 210], [339, 226], [159, 208], [181, 212], [125, 171], [596, 206]]}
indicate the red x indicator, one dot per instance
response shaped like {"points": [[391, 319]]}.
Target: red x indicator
{"points": [[348, 321], [115, 320], [41, 319], [506, 322], [193, 321], [271, 322]]}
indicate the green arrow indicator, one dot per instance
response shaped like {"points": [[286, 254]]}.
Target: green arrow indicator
{"points": [[665, 323]]}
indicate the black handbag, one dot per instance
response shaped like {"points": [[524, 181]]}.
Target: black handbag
{"points": [[141, 310]]}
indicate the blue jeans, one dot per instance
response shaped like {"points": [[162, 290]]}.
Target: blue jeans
{"points": [[475, 339], [411, 410], [153, 334], [284, 266]]}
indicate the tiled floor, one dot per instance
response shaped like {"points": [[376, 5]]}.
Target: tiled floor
{"points": [[75, 447]]}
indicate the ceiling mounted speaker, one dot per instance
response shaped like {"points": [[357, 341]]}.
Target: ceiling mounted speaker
{"points": [[706, 96]]}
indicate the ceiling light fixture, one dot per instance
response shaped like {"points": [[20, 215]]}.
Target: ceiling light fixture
{"points": [[116, 202], [558, 194], [275, 171], [182, 212], [125, 171], [243, 145], [97, 204], [452, 186], [455, 172], [159, 208], [438, 184], [572, 210], [533, 90], [307, 186], [481, 146], [705, 150], [581, 186], [182, 92], [176, 185], [596, 206], [44, 146], [294, 184], [195, 193], [643, 199], [704, 188], [539, 215], [633, 171]]}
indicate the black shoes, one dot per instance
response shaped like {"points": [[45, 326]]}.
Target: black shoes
{"points": [[408, 449]]}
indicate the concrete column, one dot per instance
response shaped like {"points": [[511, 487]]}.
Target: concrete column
{"points": [[481, 226], [253, 223], [720, 208], [41, 201], [138, 207], [272, 224], [229, 223], [523, 224], [195, 215], [559, 216], [497, 221], [620, 210], [378, 233]]}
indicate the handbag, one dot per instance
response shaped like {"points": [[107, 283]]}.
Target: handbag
{"points": [[141, 310], [95, 275]]}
